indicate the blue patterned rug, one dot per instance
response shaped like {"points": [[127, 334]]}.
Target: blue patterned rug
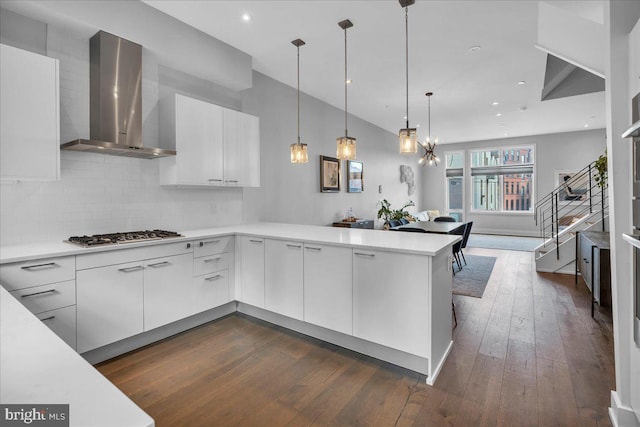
{"points": [[473, 278]]}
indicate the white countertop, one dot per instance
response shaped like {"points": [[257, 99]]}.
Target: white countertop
{"points": [[416, 243], [37, 367]]}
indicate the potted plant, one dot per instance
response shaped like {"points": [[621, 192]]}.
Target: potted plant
{"points": [[601, 168], [387, 214]]}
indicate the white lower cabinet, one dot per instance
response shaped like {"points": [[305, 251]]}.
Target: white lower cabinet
{"points": [[168, 291], [384, 284], [110, 304], [283, 289], [328, 289], [211, 290], [252, 271], [62, 321]]}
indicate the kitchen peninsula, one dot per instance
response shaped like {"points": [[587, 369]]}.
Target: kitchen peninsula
{"points": [[381, 293]]}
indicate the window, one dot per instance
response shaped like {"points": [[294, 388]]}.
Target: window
{"points": [[454, 170], [502, 179]]}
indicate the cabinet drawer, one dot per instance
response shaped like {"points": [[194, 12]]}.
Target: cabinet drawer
{"points": [[26, 274], [210, 264], [121, 256], [211, 246], [47, 297], [211, 291], [62, 322]]}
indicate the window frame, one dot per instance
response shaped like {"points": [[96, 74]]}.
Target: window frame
{"points": [[503, 148], [447, 209]]}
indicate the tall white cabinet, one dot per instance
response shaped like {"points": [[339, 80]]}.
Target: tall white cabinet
{"points": [[215, 146], [30, 116]]}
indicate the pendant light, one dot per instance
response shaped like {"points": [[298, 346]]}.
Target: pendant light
{"points": [[408, 137], [430, 145], [345, 145], [298, 150]]}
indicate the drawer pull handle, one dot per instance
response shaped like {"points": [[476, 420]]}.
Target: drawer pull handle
{"points": [[255, 241], [28, 267], [159, 264], [38, 293], [208, 242], [311, 248], [231, 180], [131, 269], [363, 254], [212, 278], [212, 259], [214, 180], [188, 245], [293, 246], [48, 318]]}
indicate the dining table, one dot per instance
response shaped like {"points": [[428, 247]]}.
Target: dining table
{"points": [[432, 227]]}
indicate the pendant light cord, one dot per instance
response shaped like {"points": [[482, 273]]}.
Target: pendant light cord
{"points": [[298, 47], [429, 118], [346, 132], [406, 63]]}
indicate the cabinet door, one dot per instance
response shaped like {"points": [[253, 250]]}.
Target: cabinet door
{"points": [[384, 285], [199, 142], [109, 304], [168, 290], [251, 140], [29, 113], [241, 149], [585, 261], [211, 290], [252, 273], [283, 287], [62, 322], [328, 287]]}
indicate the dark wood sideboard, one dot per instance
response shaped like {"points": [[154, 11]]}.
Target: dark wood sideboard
{"points": [[593, 262]]}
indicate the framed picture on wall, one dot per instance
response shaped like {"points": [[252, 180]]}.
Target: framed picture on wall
{"points": [[355, 176], [572, 188], [329, 174]]}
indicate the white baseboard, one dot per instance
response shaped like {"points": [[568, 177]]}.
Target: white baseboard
{"points": [[620, 415], [503, 232]]}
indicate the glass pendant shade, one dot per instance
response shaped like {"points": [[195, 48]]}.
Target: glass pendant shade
{"points": [[299, 153], [346, 148], [408, 139]]}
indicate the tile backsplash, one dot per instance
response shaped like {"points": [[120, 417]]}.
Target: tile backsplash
{"points": [[100, 194]]}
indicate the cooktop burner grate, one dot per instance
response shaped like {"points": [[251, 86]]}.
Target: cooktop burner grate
{"points": [[119, 238]]}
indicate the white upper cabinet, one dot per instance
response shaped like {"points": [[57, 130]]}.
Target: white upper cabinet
{"points": [[29, 116], [215, 146]]}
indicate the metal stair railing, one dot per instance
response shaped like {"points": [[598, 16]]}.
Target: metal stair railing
{"points": [[578, 196]]}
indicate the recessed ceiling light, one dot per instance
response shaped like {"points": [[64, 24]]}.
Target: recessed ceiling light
{"points": [[494, 103], [586, 125], [521, 82], [499, 115], [404, 118], [474, 48], [349, 81], [506, 134], [246, 17], [418, 125]]}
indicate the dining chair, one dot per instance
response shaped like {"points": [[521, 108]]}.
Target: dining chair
{"points": [[465, 239], [455, 249], [444, 219]]}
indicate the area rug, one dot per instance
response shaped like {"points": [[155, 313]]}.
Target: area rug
{"points": [[473, 277], [509, 243]]}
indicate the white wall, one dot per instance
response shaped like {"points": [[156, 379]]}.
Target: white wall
{"points": [[291, 192], [100, 193], [553, 152], [622, 84]]}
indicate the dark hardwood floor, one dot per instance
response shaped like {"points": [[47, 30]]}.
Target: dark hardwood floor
{"points": [[526, 354]]}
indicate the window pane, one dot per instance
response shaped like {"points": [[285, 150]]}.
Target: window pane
{"points": [[485, 158], [486, 192], [456, 215], [517, 155], [455, 160], [519, 200], [454, 187]]}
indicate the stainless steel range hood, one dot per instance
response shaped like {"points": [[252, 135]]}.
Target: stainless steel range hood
{"points": [[115, 100]]}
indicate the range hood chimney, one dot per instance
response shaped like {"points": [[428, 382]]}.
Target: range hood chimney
{"points": [[115, 100]]}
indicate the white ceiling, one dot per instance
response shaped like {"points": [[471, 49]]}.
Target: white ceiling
{"points": [[440, 34]]}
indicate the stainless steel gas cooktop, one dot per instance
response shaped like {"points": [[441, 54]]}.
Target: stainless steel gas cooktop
{"points": [[120, 238]]}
